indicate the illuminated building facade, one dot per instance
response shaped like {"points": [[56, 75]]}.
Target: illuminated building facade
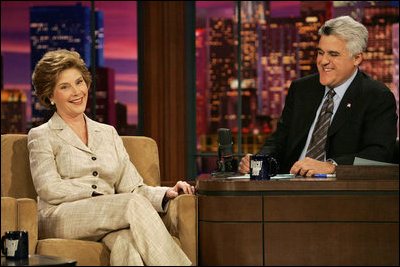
{"points": [[279, 64], [62, 27], [13, 111], [105, 96], [222, 68], [379, 58]]}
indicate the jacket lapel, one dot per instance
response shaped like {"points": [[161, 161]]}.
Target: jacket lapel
{"points": [[66, 133], [94, 134], [346, 105], [306, 113]]}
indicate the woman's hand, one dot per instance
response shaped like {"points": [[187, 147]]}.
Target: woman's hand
{"points": [[181, 187]]}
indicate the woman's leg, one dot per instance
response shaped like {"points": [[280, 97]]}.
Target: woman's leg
{"points": [[123, 252], [153, 241], [93, 218]]}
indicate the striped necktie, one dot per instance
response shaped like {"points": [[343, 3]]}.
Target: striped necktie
{"points": [[316, 149]]}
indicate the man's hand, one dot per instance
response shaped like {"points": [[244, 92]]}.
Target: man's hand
{"points": [[244, 166], [307, 167], [180, 188]]}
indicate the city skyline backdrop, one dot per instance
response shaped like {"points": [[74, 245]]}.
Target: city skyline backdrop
{"points": [[120, 47], [120, 43]]}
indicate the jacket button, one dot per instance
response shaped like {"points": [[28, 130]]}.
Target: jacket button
{"points": [[94, 186], [95, 173], [94, 158]]}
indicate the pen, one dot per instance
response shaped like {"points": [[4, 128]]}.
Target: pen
{"points": [[324, 175]]}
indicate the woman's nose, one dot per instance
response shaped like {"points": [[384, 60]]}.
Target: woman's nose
{"points": [[75, 89]]}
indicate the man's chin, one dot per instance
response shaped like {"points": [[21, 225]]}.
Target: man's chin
{"points": [[323, 82]]}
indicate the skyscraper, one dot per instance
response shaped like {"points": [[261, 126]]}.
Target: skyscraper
{"points": [[105, 96], [62, 27], [13, 114], [378, 59], [222, 67]]}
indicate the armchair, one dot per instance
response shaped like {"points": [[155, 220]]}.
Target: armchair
{"points": [[19, 208]]}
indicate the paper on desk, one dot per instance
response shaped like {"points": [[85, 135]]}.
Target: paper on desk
{"points": [[283, 176], [276, 177], [367, 162], [245, 176]]}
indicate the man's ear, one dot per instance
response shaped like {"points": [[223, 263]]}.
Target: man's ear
{"points": [[358, 59]]}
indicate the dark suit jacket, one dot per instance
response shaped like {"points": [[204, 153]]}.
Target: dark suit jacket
{"points": [[363, 126]]}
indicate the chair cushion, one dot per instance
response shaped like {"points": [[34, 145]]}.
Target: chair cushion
{"points": [[86, 253]]}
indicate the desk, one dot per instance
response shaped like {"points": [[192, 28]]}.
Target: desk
{"points": [[298, 222], [38, 260]]}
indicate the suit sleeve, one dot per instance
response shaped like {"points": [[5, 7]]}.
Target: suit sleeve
{"points": [[130, 179], [48, 183]]}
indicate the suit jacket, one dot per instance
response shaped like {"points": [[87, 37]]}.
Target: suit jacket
{"points": [[64, 169], [364, 124]]}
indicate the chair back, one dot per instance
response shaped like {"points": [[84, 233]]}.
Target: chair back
{"points": [[143, 152], [16, 178]]}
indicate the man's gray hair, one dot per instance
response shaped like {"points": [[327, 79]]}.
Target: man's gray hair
{"points": [[349, 30]]}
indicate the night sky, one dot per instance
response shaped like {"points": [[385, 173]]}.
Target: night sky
{"points": [[120, 44]]}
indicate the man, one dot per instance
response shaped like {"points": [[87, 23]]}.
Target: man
{"points": [[337, 114]]}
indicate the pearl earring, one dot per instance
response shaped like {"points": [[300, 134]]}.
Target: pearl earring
{"points": [[52, 103]]}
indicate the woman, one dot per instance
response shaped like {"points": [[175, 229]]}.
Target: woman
{"points": [[87, 186]]}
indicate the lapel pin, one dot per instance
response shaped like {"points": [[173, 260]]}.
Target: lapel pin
{"points": [[349, 105]]}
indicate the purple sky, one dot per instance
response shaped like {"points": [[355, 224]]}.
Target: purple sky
{"points": [[120, 44]]}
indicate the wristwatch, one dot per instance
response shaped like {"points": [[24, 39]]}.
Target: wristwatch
{"points": [[332, 161]]}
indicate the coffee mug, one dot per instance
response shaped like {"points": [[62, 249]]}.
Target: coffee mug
{"points": [[14, 244], [262, 167]]}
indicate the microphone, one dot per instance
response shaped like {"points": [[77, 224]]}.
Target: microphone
{"points": [[227, 165]]}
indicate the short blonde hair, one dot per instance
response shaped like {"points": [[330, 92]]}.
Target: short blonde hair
{"points": [[48, 69]]}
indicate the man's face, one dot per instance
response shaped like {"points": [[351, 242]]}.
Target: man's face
{"points": [[335, 64]]}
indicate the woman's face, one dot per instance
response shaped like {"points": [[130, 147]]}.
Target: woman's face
{"points": [[70, 93]]}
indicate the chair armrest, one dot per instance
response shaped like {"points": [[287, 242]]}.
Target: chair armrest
{"points": [[181, 221], [20, 215], [9, 214], [28, 221], [86, 253]]}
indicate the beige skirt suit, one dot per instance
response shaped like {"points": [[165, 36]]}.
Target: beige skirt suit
{"points": [[66, 172]]}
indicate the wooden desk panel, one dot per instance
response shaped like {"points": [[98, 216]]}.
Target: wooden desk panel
{"points": [[230, 208], [349, 207], [323, 244], [232, 244]]}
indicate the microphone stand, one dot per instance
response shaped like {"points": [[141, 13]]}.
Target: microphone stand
{"points": [[226, 165]]}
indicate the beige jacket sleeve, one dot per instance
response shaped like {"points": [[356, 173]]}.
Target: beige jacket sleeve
{"points": [[127, 183]]}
